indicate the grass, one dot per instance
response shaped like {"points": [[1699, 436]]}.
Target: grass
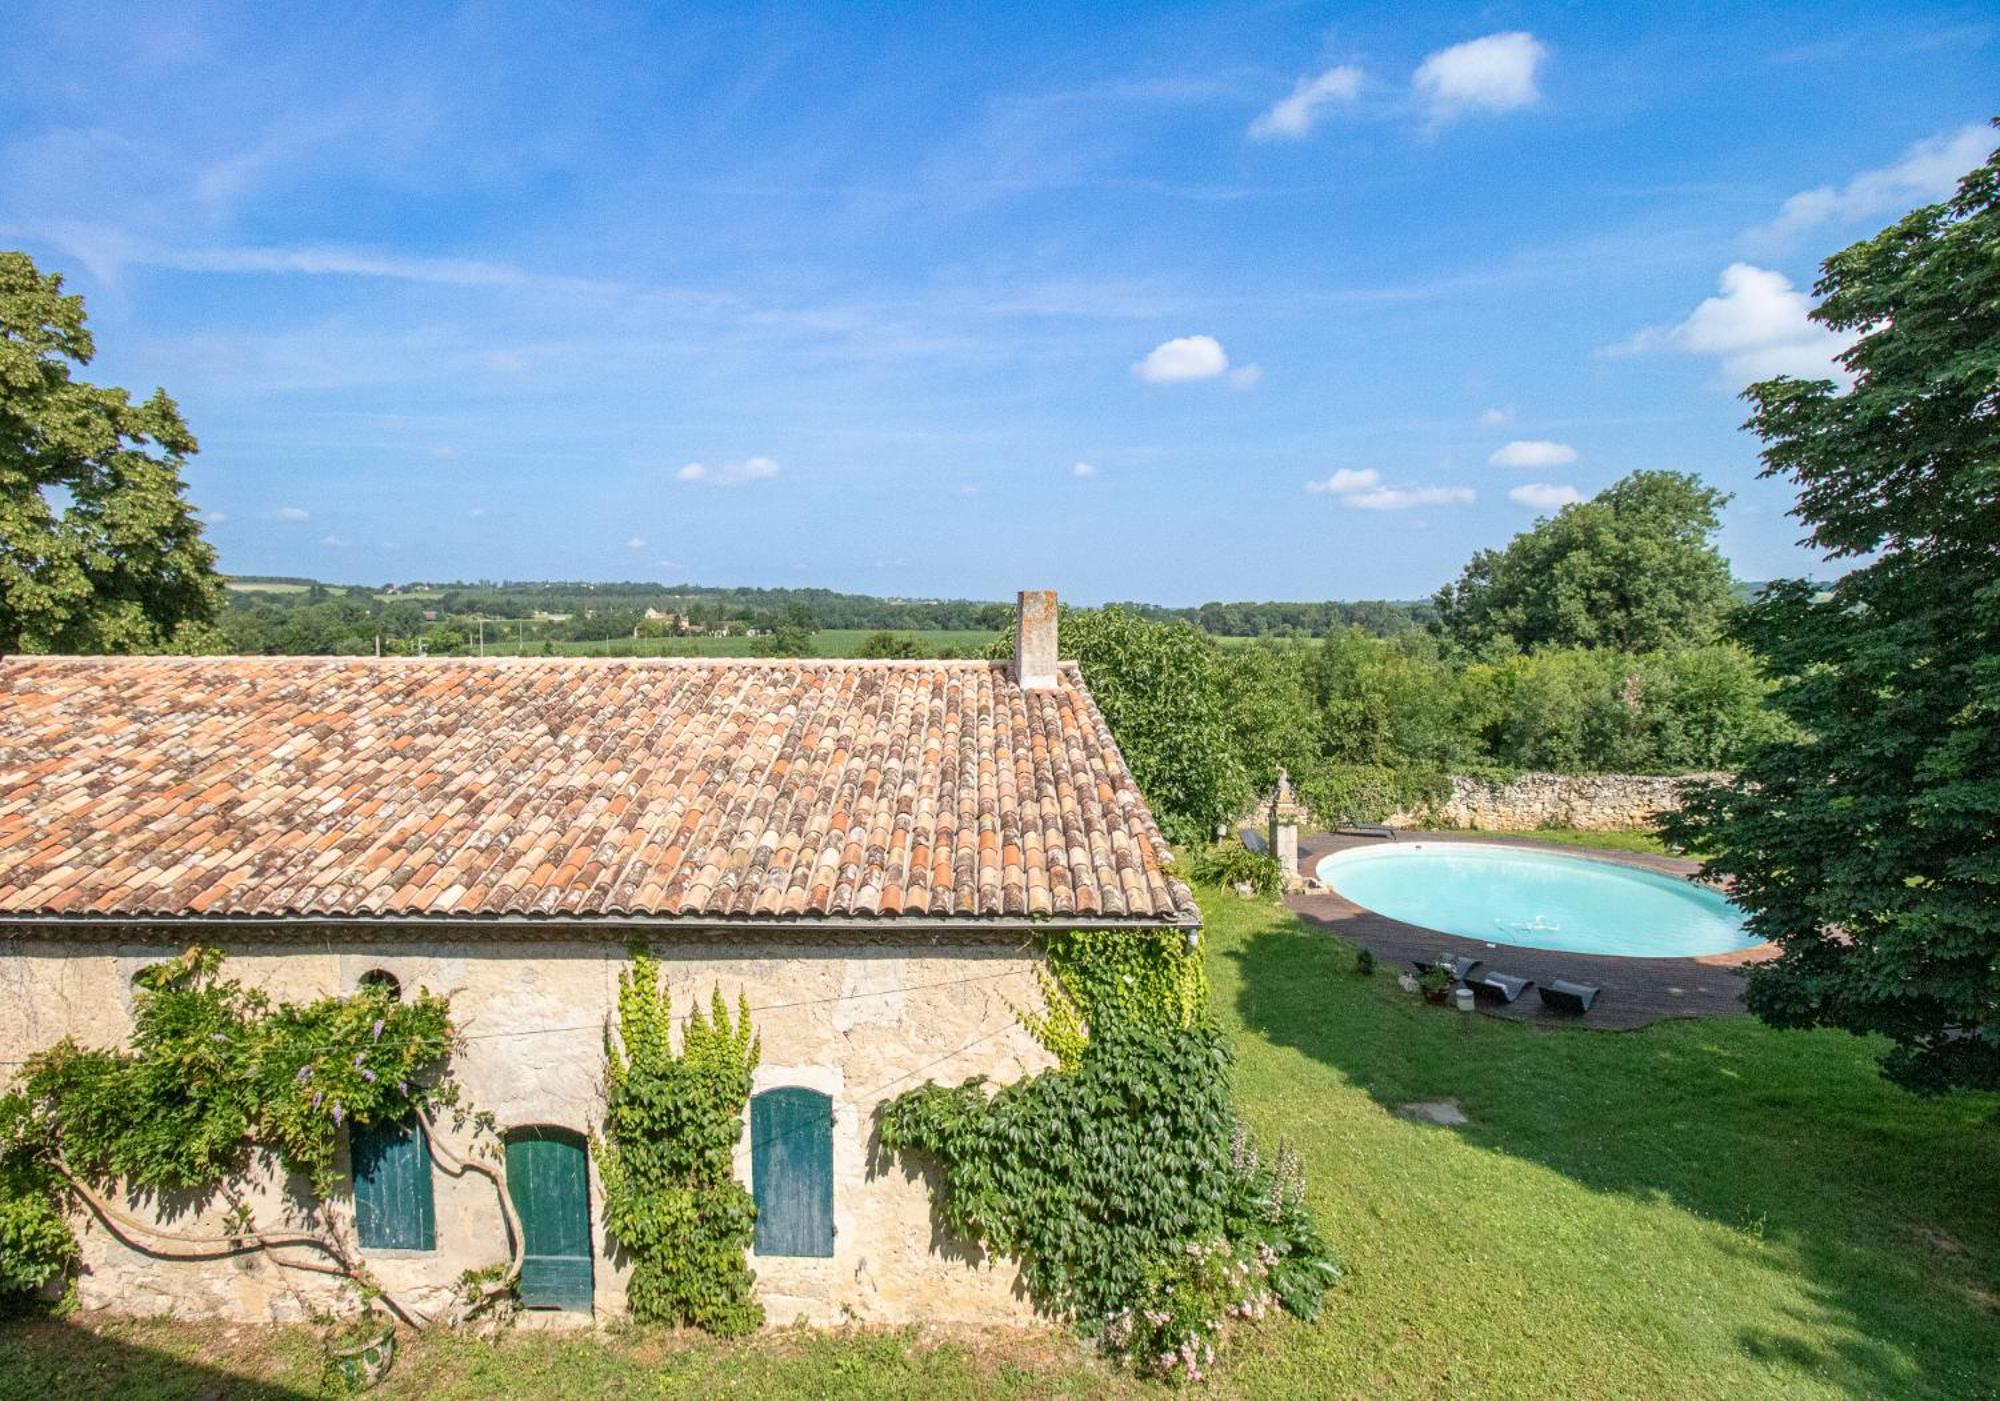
{"points": [[1699, 1209]]}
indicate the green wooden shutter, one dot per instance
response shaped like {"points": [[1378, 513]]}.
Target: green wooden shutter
{"points": [[393, 1209], [791, 1166], [548, 1177]]}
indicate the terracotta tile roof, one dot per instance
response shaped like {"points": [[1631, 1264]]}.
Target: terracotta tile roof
{"points": [[145, 787]]}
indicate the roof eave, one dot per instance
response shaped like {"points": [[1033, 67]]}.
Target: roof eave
{"points": [[584, 925]]}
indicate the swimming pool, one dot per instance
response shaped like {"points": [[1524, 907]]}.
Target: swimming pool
{"points": [[1537, 899]]}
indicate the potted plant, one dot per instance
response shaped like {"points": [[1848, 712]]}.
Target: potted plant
{"points": [[1435, 983], [360, 1352]]}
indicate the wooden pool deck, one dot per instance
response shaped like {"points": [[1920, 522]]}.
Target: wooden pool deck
{"points": [[1636, 991]]}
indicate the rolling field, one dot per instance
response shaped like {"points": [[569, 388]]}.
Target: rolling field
{"points": [[830, 642]]}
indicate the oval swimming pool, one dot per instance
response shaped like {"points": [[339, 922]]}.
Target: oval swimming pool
{"points": [[1537, 899]]}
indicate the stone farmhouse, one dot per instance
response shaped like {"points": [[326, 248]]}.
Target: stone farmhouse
{"points": [[867, 850]]}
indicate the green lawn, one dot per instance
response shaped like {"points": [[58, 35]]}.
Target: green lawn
{"points": [[1700, 1209]]}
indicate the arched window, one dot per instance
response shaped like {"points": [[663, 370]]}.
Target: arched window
{"points": [[791, 1171], [381, 980]]}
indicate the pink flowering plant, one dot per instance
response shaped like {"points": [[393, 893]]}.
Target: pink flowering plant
{"points": [[1175, 1328]]}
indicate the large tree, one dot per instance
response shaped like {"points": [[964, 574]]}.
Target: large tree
{"points": [[99, 551], [1633, 567], [1868, 849]]}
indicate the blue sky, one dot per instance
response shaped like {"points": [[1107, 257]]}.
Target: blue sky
{"points": [[1160, 302]]}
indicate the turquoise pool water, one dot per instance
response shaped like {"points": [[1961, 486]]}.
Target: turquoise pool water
{"points": [[1537, 900]]}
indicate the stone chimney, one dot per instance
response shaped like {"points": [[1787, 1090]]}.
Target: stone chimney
{"points": [[1035, 640]]}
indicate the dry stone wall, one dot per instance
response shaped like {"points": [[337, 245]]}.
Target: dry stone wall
{"points": [[1583, 802]]}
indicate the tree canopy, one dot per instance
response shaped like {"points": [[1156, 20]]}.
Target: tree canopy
{"points": [[1634, 567], [1161, 688], [99, 550], [1868, 849]]}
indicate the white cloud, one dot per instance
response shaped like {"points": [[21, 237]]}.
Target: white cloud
{"points": [[1533, 452], [1757, 328], [476, 512], [750, 469], [1493, 418], [1927, 171], [333, 542], [1346, 481], [1083, 469], [1496, 73], [1183, 359], [666, 564], [635, 543], [1544, 496], [214, 517], [293, 513], [1243, 376], [1293, 117], [1404, 498]]}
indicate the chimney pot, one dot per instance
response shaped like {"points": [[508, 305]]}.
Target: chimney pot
{"points": [[1035, 640]]}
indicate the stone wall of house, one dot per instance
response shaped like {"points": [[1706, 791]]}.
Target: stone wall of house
{"points": [[1583, 802], [859, 1023]]}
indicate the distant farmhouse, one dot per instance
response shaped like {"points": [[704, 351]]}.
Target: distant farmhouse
{"points": [[868, 850]]}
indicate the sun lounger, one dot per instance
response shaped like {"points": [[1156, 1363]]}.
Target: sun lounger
{"points": [[1571, 998], [1504, 986], [1365, 829], [1462, 968]]}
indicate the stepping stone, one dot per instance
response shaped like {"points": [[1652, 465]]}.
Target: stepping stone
{"points": [[1446, 1112]]}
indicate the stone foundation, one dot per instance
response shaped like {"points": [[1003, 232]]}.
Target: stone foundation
{"points": [[1581, 802]]}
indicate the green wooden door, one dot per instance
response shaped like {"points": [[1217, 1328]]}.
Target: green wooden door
{"points": [[393, 1209], [791, 1167], [548, 1177]]}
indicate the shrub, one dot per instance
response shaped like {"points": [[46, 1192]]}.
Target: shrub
{"points": [[1232, 863], [1119, 1179], [1336, 793]]}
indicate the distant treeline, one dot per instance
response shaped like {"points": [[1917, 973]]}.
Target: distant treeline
{"points": [[269, 613]]}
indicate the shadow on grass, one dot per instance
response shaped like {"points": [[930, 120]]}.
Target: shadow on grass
{"points": [[54, 1360], [1880, 1205]]}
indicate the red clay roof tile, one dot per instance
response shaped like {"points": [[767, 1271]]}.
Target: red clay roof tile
{"points": [[263, 788]]}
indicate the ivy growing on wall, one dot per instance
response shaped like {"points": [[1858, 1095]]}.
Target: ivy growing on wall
{"points": [[215, 1077], [1121, 1179], [667, 1156]]}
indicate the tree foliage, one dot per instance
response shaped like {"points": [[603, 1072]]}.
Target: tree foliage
{"points": [[1868, 846], [791, 633], [1632, 568], [1160, 686], [671, 1125], [99, 552]]}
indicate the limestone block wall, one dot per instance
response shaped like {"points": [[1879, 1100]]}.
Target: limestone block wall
{"points": [[1583, 802], [861, 1023]]}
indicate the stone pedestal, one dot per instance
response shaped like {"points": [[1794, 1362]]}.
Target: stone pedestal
{"points": [[1282, 829]]}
